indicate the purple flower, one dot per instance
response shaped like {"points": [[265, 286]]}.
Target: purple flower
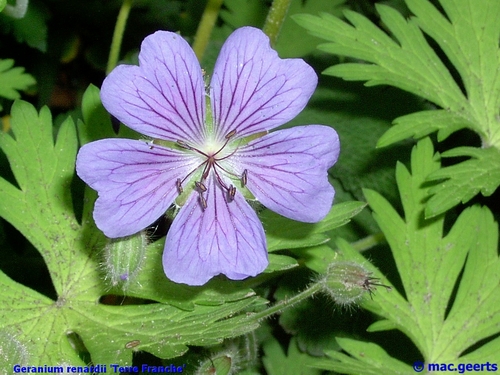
{"points": [[209, 153]]}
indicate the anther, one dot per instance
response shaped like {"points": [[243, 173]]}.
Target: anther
{"points": [[244, 177], [203, 201], [178, 183], [200, 186], [184, 145], [232, 192], [230, 134]]}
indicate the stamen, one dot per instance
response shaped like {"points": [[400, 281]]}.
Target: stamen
{"points": [[184, 145], [244, 178], [211, 164], [178, 183], [203, 201], [219, 180], [232, 193], [200, 186], [230, 134]]}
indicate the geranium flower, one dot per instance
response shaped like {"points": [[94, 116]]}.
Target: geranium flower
{"points": [[208, 154]]}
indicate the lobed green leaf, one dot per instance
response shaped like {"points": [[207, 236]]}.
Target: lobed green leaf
{"points": [[277, 362], [368, 359], [463, 181], [283, 233], [430, 263], [13, 80], [468, 35], [40, 207]]}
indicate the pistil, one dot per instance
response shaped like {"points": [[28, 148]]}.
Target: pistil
{"points": [[211, 163]]}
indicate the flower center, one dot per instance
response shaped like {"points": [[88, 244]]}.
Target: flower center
{"points": [[212, 163]]}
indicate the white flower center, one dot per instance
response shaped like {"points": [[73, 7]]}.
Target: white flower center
{"points": [[213, 154]]}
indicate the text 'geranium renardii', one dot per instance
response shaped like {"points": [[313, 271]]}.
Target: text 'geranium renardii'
{"points": [[209, 153]]}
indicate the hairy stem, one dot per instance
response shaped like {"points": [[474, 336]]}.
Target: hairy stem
{"points": [[205, 27], [283, 304], [116, 43], [275, 19], [369, 242]]}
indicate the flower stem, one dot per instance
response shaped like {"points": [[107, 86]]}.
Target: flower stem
{"points": [[275, 19], [361, 245], [205, 27], [116, 43], [369, 242], [281, 305]]}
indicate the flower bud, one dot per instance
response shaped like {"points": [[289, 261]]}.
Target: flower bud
{"points": [[123, 259], [227, 361], [347, 282]]}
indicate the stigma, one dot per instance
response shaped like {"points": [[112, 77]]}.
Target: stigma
{"points": [[212, 157]]}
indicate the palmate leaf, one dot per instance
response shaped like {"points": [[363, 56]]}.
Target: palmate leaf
{"points": [[277, 362], [12, 80], [283, 233], [466, 33], [41, 208], [32, 28], [429, 263], [481, 173]]}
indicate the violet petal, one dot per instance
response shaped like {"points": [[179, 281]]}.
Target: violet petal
{"points": [[164, 97], [252, 89], [136, 182], [226, 237], [287, 170]]}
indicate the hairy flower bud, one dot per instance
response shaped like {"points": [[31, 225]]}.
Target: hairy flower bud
{"points": [[123, 259], [347, 282], [224, 362]]}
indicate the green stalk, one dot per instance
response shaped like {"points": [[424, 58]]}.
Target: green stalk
{"points": [[283, 304], [205, 27], [369, 242], [116, 43], [275, 19]]}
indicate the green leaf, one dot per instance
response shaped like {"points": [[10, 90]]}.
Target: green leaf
{"points": [[420, 124], [279, 262], [314, 323], [403, 58], [283, 233], [96, 122], [410, 64], [32, 28], [277, 362], [468, 35], [43, 170], [292, 41], [470, 40], [429, 262], [358, 119], [240, 13], [40, 207], [13, 80], [367, 359], [465, 180]]}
